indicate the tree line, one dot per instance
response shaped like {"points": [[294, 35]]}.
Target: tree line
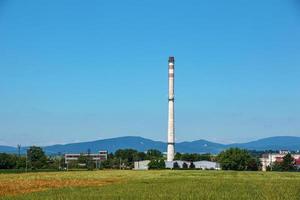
{"points": [[230, 159], [35, 159]]}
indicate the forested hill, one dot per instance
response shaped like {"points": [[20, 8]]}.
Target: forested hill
{"points": [[143, 144]]}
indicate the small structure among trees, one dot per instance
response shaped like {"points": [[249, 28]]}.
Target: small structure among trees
{"points": [[287, 163], [85, 160], [280, 161]]}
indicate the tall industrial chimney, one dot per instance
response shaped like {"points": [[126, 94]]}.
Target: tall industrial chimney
{"points": [[171, 128]]}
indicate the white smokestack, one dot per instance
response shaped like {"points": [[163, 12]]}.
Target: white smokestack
{"points": [[171, 128]]}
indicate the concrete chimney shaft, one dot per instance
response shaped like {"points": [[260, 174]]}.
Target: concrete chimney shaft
{"points": [[171, 128]]}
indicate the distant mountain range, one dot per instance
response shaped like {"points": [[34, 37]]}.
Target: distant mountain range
{"points": [[143, 144]]}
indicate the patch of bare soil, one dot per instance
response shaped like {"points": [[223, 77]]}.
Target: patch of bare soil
{"points": [[16, 187]]}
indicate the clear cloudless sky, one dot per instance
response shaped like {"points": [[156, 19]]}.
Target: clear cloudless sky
{"points": [[83, 70]]}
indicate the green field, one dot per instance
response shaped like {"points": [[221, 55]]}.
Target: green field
{"points": [[164, 184]]}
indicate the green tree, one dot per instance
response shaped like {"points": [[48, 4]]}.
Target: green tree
{"points": [[253, 164], [287, 164], [111, 163], [276, 166], [36, 157], [157, 164], [184, 166], [175, 165], [21, 162], [153, 154], [188, 157], [141, 156], [127, 157], [192, 165], [162, 164], [72, 164], [7, 161], [82, 159], [236, 159], [205, 156], [177, 156], [90, 163], [105, 164], [192, 157]]}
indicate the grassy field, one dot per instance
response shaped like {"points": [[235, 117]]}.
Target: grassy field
{"points": [[165, 184]]}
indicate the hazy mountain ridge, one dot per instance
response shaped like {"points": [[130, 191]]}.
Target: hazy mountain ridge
{"points": [[143, 144], [273, 143]]}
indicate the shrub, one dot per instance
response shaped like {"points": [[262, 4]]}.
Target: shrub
{"points": [[192, 165], [184, 166], [175, 165], [157, 164]]}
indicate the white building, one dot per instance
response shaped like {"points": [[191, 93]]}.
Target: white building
{"points": [[170, 164], [207, 165], [96, 157], [143, 165], [269, 158]]}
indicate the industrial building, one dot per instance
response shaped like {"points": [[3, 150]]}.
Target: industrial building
{"points": [[269, 158], [96, 157], [143, 165], [203, 164], [170, 164]]}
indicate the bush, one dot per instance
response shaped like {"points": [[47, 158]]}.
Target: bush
{"points": [[37, 158], [157, 164], [192, 157], [175, 165], [7, 161], [153, 154], [184, 166], [192, 165]]}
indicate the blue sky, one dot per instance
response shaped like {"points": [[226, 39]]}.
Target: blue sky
{"points": [[83, 70]]}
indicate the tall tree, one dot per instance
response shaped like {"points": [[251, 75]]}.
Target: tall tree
{"points": [[141, 156], [287, 164], [236, 159], [176, 165], [192, 165], [184, 166], [7, 161], [177, 156], [153, 154], [82, 159], [36, 157], [157, 164], [192, 157], [127, 157]]}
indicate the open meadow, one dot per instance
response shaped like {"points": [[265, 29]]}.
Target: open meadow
{"points": [[162, 184]]}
